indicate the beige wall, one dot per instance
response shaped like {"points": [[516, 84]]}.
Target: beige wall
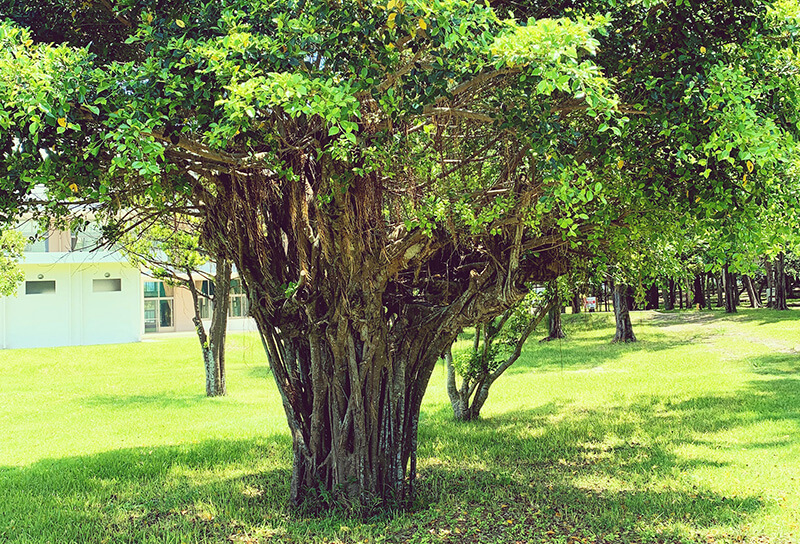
{"points": [[184, 310]]}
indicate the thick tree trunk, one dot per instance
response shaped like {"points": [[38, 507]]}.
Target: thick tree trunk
{"points": [[352, 384], [669, 295], [353, 404], [652, 296], [354, 313], [699, 297], [555, 329], [752, 294], [577, 302], [780, 283], [622, 314], [731, 293]]}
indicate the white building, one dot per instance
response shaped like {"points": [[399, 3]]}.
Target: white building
{"points": [[76, 297]]}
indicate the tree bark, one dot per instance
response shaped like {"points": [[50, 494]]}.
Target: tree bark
{"points": [[468, 400], [770, 283], [555, 329], [212, 343], [354, 312], [680, 294], [652, 296], [699, 297], [752, 294], [669, 295], [622, 316], [731, 293], [720, 282], [780, 283], [576, 302]]}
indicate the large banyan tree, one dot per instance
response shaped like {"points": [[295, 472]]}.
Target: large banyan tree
{"points": [[382, 174]]}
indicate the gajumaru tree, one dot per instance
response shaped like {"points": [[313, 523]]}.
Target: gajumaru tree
{"points": [[382, 174]]}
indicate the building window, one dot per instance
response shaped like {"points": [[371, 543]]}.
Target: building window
{"points": [[86, 239], [238, 306], [109, 285], [159, 303], [45, 287], [206, 288], [38, 242]]}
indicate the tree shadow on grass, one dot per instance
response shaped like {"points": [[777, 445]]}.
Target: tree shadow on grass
{"points": [[165, 401], [609, 474], [764, 316], [200, 492], [584, 353], [761, 316]]}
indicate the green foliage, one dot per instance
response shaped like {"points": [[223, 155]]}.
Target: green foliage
{"points": [[354, 69], [498, 338], [169, 251], [12, 245]]}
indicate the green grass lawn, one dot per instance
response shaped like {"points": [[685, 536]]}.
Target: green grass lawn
{"points": [[690, 435]]}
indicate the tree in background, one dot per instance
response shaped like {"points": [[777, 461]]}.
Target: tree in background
{"points": [[171, 251], [12, 246], [555, 328], [496, 346]]}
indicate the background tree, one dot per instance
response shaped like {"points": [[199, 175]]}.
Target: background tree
{"points": [[555, 327], [171, 251], [12, 246], [496, 346]]}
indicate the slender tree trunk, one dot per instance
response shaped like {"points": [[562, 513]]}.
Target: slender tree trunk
{"points": [[721, 286], [699, 297], [212, 343], [680, 294], [219, 324], [755, 300], [731, 294], [468, 400], [770, 283], [689, 292], [459, 404], [780, 283], [622, 316]]}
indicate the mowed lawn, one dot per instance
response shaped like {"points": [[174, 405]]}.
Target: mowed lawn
{"points": [[690, 435]]}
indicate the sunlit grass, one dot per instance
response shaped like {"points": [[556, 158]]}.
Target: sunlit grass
{"points": [[690, 435]]}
